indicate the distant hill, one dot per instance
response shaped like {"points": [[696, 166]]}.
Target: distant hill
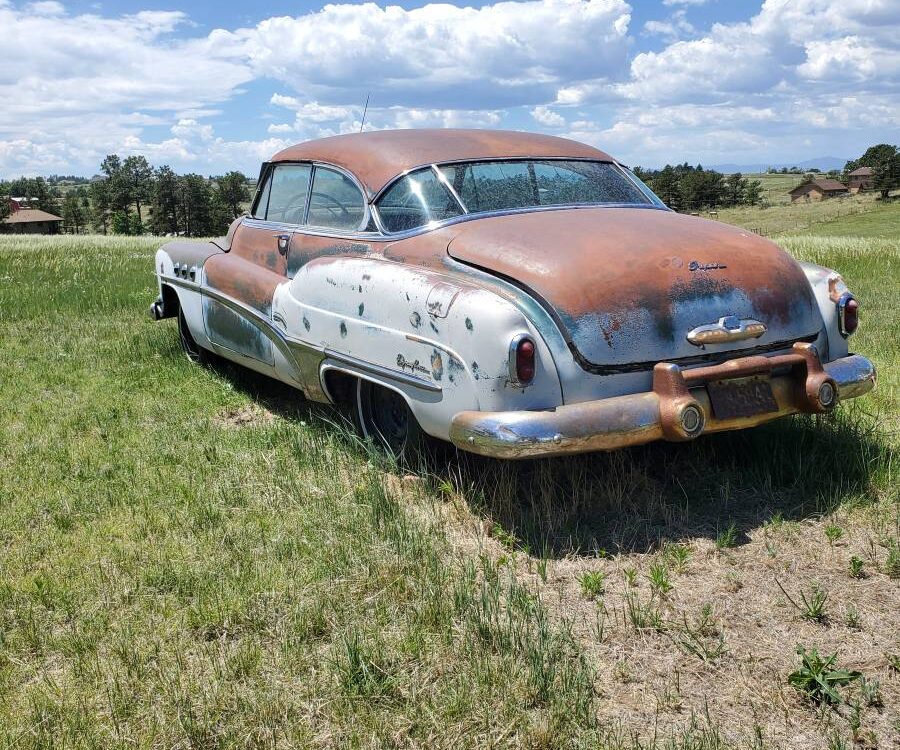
{"points": [[825, 163]]}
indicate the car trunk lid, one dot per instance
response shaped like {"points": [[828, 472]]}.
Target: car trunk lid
{"points": [[628, 285]]}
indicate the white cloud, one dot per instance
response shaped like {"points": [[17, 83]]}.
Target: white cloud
{"points": [[832, 41], [675, 27], [547, 117], [439, 55]]}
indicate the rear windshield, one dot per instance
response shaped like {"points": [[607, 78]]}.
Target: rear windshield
{"points": [[433, 194]]}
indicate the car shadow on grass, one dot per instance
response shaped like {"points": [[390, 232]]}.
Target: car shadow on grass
{"points": [[637, 499], [720, 487]]}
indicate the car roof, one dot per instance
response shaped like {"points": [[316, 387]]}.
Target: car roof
{"points": [[377, 156]]}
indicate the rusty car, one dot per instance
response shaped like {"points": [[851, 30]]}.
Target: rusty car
{"points": [[516, 294]]}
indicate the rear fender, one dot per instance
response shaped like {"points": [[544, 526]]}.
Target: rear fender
{"points": [[441, 341]]}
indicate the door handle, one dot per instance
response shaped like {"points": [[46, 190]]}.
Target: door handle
{"points": [[284, 241]]}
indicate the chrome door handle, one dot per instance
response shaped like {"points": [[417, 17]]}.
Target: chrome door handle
{"points": [[284, 241]]}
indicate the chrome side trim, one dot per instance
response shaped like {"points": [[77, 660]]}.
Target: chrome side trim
{"points": [[385, 372]]}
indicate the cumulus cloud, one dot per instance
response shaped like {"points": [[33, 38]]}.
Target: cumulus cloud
{"points": [[547, 117], [439, 55], [784, 44], [797, 74]]}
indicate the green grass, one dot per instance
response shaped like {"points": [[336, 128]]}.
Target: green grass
{"points": [[196, 558]]}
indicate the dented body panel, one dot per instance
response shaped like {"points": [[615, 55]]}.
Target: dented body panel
{"points": [[645, 324]]}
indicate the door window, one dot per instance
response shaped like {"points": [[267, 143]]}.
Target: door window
{"points": [[288, 194]]}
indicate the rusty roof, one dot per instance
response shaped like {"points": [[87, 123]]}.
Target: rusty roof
{"points": [[377, 156], [826, 186], [30, 215], [862, 172]]}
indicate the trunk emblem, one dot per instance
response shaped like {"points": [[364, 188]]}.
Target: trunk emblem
{"points": [[725, 330], [696, 265]]}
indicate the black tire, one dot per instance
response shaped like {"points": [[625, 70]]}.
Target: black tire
{"points": [[383, 416], [194, 352]]}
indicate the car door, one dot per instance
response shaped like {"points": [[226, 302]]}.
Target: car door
{"points": [[335, 222], [239, 285]]}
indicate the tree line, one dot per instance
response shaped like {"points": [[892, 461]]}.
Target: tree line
{"points": [[131, 197], [686, 188]]}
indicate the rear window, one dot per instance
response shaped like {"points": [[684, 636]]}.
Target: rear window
{"points": [[435, 194]]}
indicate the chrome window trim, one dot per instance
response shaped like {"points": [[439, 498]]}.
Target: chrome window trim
{"points": [[317, 230], [392, 236], [469, 216]]}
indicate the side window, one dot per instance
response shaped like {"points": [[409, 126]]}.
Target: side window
{"points": [[416, 200], [336, 202], [263, 203], [288, 194]]}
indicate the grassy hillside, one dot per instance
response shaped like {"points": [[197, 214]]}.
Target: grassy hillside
{"points": [[197, 558]]}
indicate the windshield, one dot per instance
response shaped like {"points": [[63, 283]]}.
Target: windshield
{"points": [[433, 194]]}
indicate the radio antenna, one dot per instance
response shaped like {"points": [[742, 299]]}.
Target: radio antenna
{"points": [[365, 109]]}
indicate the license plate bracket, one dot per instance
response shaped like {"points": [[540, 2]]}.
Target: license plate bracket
{"points": [[741, 397]]}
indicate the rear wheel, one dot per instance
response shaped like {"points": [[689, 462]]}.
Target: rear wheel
{"points": [[384, 416], [192, 349]]}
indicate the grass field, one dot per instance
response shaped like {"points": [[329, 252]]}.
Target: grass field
{"points": [[196, 558]]}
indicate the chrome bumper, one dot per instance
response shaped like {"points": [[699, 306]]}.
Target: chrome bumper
{"points": [[678, 408]]}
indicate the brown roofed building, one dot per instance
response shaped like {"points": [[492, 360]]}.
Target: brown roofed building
{"points": [[816, 191], [30, 221], [861, 179]]}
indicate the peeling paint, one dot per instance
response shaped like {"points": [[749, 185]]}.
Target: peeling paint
{"points": [[437, 365], [343, 330], [362, 308], [306, 323], [469, 325], [415, 320]]}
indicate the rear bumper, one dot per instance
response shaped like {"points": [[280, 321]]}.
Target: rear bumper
{"points": [[678, 407]]}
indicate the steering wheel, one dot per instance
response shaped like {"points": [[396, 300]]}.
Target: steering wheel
{"points": [[331, 209]]}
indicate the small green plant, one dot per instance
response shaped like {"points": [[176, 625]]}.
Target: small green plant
{"points": [[870, 691], [642, 615], [852, 617], [833, 532], [893, 661], [818, 679], [728, 538], [813, 606], [856, 567], [892, 564], [659, 578], [593, 583], [630, 575], [678, 555], [702, 638], [506, 538]]}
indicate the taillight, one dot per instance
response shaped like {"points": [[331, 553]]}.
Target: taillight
{"points": [[848, 314], [521, 358]]}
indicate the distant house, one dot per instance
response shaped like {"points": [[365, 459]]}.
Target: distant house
{"points": [[29, 220], [818, 190], [861, 179]]}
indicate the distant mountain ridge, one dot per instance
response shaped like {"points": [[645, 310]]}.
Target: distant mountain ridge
{"points": [[825, 163]]}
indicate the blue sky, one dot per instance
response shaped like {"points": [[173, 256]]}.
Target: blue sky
{"points": [[211, 86]]}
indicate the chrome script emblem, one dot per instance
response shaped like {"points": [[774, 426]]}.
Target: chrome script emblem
{"points": [[725, 330], [696, 265]]}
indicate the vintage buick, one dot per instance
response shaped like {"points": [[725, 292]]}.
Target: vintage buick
{"points": [[517, 294]]}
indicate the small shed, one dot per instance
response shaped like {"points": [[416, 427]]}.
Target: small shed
{"points": [[31, 221], [861, 179], [818, 190]]}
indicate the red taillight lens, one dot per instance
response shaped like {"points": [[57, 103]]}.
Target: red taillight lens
{"points": [[525, 361], [848, 314], [851, 316]]}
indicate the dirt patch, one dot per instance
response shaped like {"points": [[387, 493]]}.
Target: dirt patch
{"points": [[248, 415]]}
